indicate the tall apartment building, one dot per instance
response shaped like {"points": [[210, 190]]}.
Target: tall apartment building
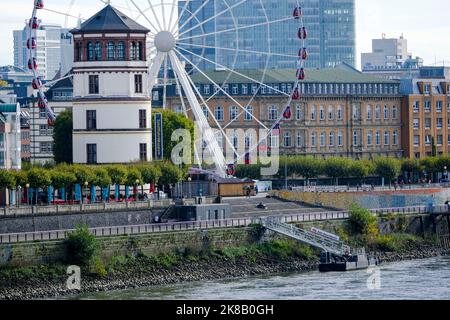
{"points": [[341, 112], [426, 113], [54, 50], [330, 24], [390, 59], [10, 139]]}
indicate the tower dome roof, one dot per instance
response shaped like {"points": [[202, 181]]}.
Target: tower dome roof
{"points": [[111, 20]]}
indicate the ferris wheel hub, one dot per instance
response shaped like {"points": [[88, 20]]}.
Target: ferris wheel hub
{"points": [[165, 41]]}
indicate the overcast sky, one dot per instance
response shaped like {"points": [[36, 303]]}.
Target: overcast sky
{"points": [[425, 24]]}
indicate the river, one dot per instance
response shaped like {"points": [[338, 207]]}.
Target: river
{"points": [[427, 279]]}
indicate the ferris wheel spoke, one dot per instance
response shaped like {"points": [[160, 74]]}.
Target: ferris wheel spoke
{"points": [[236, 72], [221, 89], [50, 83], [174, 26], [238, 50], [163, 15], [154, 70], [144, 15], [155, 15], [61, 13], [174, 4], [194, 15], [165, 82], [180, 94], [238, 28], [213, 17]]}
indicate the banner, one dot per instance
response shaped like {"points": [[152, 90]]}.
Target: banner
{"points": [[158, 129]]}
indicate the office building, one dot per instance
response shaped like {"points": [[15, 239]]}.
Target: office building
{"points": [[330, 25], [10, 139], [54, 50]]}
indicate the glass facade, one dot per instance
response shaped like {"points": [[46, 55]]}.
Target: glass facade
{"points": [[330, 24]]}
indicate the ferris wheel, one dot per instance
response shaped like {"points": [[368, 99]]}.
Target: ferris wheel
{"points": [[179, 49]]}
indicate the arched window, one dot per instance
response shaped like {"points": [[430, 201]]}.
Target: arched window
{"points": [[233, 113], [140, 51], [90, 51], [330, 113], [386, 112], [273, 113], [331, 139], [355, 139], [98, 51], [287, 139], [369, 113], [218, 112], [322, 139], [386, 138], [378, 138], [313, 140], [339, 113], [394, 112], [313, 113], [79, 52], [369, 138], [248, 115], [111, 50], [298, 113], [133, 51], [340, 139], [322, 113], [121, 51], [378, 112]]}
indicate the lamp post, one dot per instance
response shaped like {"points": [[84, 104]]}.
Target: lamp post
{"points": [[189, 181], [445, 173], [86, 188], [135, 189], [28, 193]]}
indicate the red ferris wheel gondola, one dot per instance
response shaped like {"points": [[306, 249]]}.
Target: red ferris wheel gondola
{"points": [[296, 94], [32, 64], [301, 74], [42, 103], [231, 170], [297, 12], [36, 83], [34, 23], [31, 43], [302, 33], [287, 113], [303, 54], [40, 4]]}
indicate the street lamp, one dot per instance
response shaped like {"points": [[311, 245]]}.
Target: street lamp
{"points": [[445, 172], [28, 193], [136, 190], [190, 180], [86, 186]]}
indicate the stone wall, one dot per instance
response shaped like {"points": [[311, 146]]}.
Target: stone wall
{"points": [[27, 254], [370, 200], [30, 223]]}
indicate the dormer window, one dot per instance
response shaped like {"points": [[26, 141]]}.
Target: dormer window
{"points": [[427, 89]]}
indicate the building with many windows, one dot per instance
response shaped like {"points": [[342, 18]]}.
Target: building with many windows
{"points": [[426, 113], [54, 52], [111, 106], [330, 25], [341, 112], [59, 97], [10, 139]]}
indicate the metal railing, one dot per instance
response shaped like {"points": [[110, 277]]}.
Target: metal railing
{"points": [[213, 224]]}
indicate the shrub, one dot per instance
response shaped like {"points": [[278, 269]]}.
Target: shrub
{"points": [[98, 267], [362, 222], [81, 247]]}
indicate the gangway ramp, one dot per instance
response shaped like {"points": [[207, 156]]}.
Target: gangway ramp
{"points": [[335, 247]]}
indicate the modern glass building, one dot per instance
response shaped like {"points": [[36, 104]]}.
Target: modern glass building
{"points": [[330, 24]]}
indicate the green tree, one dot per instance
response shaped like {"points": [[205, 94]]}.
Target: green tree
{"points": [[388, 168], [170, 174], [62, 179], [118, 173], [101, 177], [39, 178], [359, 170], [62, 137], [251, 171], [411, 166], [362, 222], [337, 168], [81, 247], [308, 167], [133, 175], [431, 166], [82, 174], [7, 180], [171, 122]]}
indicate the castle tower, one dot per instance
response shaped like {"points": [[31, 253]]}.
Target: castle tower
{"points": [[112, 105]]}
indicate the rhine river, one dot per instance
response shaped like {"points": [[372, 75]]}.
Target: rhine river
{"points": [[427, 279]]}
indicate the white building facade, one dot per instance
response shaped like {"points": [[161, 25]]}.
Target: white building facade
{"points": [[10, 138], [111, 102]]}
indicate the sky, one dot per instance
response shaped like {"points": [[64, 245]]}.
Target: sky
{"points": [[424, 24]]}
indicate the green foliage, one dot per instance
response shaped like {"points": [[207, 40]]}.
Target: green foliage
{"points": [[362, 222], [61, 178], [411, 165], [118, 173], [149, 172], [388, 168], [101, 177], [250, 171], [171, 122], [337, 167], [81, 247], [308, 167], [7, 179], [39, 178], [133, 175], [98, 267], [20, 178], [82, 174], [359, 169], [394, 242], [62, 137], [170, 174]]}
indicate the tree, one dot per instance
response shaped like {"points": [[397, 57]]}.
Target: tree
{"points": [[411, 166], [171, 122], [359, 169], [170, 174], [62, 179], [101, 177], [337, 168], [431, 166], [81, 246], [62, 137], [250, 171], [388, 168], [7, 180], [118, 173], [39, 178], [133, 175], [308, 167], [150, 173], [83, 174]]}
